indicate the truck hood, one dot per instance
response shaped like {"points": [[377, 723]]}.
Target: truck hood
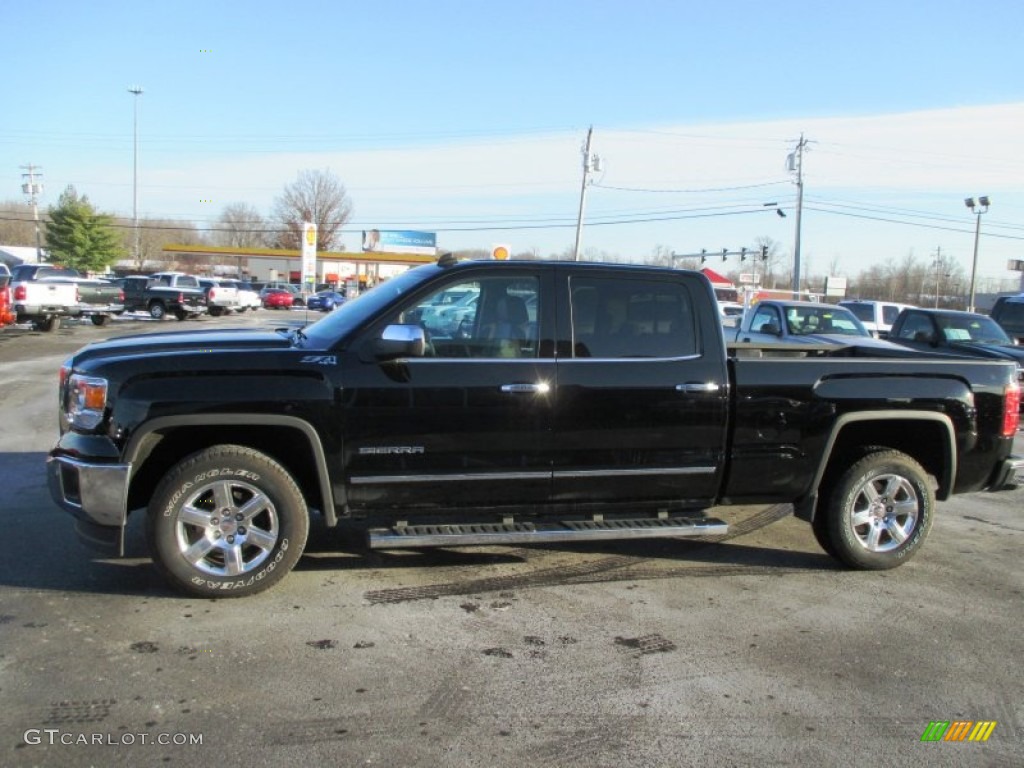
{"points": [[983, 349], [869, 342], [188, 341]]}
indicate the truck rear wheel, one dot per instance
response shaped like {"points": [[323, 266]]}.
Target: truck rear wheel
{"points": [[879, 511], [48, 325], [99, 320], [181, 314], [228, 521]]}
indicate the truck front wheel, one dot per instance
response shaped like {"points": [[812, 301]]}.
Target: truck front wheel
{"points": [[228, 521], [878, 511], [157, 310]]}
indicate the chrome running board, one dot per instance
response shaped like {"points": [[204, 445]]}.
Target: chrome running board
{"points": [[473, 534]]}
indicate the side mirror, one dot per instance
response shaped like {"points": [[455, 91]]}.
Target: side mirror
{"points": [[400, 341]]}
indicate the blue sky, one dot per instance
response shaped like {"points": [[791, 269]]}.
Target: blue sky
{"points": [[467, 118]]}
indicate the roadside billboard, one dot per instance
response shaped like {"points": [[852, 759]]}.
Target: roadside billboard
{"points": [[399, 241]]}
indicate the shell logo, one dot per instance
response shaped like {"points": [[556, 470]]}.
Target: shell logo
{"points": [[500, 252]]}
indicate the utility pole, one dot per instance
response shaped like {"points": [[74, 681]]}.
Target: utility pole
{"points": [[32, 189], [136, 91], [938, 268], [590, 163], [795, 164]]}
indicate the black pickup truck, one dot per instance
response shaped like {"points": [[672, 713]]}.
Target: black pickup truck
{"points": [[163, 294], [578, 402]]}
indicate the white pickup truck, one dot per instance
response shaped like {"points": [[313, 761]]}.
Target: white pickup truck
{"points": [[42, 302], [221, 295]]}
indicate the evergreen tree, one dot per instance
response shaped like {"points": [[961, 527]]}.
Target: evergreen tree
{"points": [[79, 237]]}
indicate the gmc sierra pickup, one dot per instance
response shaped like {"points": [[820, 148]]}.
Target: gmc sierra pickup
{"points": [[578, 402]]}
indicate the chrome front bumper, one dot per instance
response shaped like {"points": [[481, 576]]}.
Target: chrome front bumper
{"points": [[93, 493]]}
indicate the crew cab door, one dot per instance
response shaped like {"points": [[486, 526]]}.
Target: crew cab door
{"points": [[469, 423], [642, 389]]}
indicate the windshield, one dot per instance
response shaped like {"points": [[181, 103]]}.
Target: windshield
{"points": [[348, 316], [973, 329], [806, 321]]}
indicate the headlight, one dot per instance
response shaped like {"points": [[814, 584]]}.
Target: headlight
{"points": [[86, 399]]}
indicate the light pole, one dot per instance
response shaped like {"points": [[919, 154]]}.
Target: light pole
{"points": [[981, 208], [136, 91]]}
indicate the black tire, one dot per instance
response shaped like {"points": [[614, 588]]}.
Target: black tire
{"points": [[49, 325], [820, 528], [181, 314], [879, 511], [99, 320], [204, 552], [216, 311], [157, 310]]}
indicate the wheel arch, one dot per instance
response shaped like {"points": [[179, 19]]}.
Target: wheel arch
{"points": [[926, 436], [292, 442]]}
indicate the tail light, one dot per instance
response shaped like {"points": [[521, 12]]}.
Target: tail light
{"points": [[20, 293], [213, 294], [120, 296], [1011, 410]]}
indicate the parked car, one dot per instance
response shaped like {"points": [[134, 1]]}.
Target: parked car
{"points": [[277, 298], [961, 333], [773, 321], [42, 294], [876, 316], [164, 293], [298, 297], [248, 296], [1008, 311], [221, 295], [325, 301]]}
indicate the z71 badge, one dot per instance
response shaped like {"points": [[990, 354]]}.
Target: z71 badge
{"points": [[320, 359]]}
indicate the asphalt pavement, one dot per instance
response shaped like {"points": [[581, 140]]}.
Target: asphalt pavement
{"points": [[754, 649]]}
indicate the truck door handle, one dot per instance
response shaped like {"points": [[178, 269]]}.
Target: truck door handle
{"points": [[697, 388], [526, 389]]}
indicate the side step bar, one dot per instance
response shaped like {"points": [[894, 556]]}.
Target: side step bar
{"points": [[525, 533]]}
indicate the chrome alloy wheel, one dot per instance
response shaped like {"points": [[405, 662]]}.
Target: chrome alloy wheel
{"points": [[884, 512], [226, 528]]}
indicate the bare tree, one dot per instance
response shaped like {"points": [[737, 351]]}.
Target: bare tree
{"points": [[317, 196], [771, 268], [241, 226], [16, 224], [154, 234]]}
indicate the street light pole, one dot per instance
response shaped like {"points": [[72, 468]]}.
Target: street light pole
{"points": [[136, 91], [982, 207]]}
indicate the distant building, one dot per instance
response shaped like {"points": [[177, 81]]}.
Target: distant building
{"points": [[12, 255]]}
